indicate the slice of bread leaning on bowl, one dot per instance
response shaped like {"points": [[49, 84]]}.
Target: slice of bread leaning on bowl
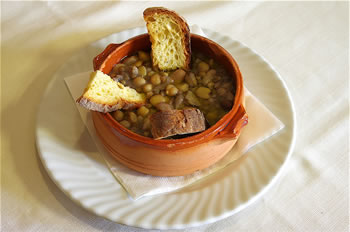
{"points": [[166, 103]]}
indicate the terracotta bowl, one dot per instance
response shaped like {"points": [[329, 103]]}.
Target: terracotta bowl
{"points": [[178, 156]]}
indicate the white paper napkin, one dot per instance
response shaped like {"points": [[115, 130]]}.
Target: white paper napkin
{"points": [[262, 124]]}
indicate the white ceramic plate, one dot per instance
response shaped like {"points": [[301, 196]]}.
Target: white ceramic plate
{"points": [[73, 163]]}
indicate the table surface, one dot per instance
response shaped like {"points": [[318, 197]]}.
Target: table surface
{"points": [[307, 42]]}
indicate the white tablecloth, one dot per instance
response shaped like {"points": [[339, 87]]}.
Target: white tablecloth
{"points": [[307, 42]]}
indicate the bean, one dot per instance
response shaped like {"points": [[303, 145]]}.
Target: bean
{"points": [[227, 85], [178, 101], [161, 86], [149, 94], [139, 81], [206, 79], [132, 117], [130, 60], [156, 99], [164, 73], [142, 71], [211, 62], [163, 106], [138, 63], [202, 74], [134, 71], [192, 99], [182, 87], [126, 76], [117, 68], [144, 56], [202, 66], [155, 79], [150, 72], [139, 119], [210, 85], [172, 91], [146, 124], [191, 79], [143, 111], [169, 86], [125, 123], [147, 88], [118, 115], [203, 92], [121, 69], [178, 76]]}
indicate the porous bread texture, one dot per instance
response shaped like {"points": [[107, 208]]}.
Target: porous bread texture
{"points": [[103, 94], [170, 38]]}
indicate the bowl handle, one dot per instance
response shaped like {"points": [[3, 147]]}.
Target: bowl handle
{"points": [[233, 128], [100, 58]]}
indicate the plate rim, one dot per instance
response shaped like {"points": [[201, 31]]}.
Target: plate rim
{"points": [[199, 222]]}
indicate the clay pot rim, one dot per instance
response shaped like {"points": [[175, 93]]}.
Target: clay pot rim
{"points": [[215, 131]]}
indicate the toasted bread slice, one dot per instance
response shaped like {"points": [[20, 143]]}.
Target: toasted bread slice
{"points": [[176, 122], [103, 94], [170, 38]]}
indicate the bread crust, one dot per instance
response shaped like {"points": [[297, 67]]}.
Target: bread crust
{"points": [[176, 122], [105, 108], [99, 105], [183, 25]]}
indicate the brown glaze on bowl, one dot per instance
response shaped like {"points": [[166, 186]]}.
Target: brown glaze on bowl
{"points": [[168, 157]]}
